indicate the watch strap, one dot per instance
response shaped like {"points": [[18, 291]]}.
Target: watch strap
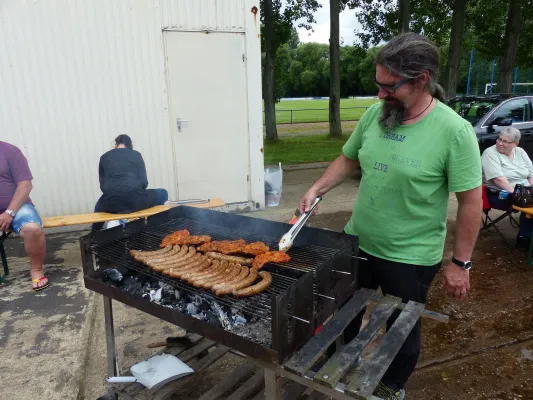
{"points": [[12, 213], [463, 264]]}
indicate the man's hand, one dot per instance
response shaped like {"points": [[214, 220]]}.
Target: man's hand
{"points": [[5, 221], [456, 280], [308, 200]]}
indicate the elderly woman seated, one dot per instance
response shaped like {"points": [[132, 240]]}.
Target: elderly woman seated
{"points": [[504, 166]]}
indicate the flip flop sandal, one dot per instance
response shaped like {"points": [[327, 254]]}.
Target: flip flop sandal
{"points": [[36, 289]]}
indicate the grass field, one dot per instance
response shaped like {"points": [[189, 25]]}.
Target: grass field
{"points": [[303, 149], [301, 111]]}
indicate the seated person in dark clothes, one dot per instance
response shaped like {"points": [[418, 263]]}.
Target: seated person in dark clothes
{"points": [[123, 182], [506, 165]]}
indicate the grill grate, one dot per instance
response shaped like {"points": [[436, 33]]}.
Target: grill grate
{"points": [[303, 258]]}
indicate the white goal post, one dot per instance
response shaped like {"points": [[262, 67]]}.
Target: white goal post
{"points": [[487, 86]]}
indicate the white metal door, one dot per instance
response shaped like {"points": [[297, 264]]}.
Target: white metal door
{"points": [[207, 86]]}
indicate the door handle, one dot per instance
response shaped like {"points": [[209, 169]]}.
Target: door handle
{"points": [[180, 123], [527, 132]]}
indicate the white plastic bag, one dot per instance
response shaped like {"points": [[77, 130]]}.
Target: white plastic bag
{"points": [[273, 186]]}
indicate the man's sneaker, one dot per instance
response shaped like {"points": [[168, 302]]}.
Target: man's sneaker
{"points": [[386, 392]]}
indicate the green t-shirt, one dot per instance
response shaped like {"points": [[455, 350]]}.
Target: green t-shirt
{"points": [[401, 210]]}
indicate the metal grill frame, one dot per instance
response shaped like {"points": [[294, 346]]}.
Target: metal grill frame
{"points": [[334, 279]]}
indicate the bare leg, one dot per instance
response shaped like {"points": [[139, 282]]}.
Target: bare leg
{"points": [[35, 246]]}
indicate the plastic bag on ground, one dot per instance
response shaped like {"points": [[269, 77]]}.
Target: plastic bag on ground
{"points": [[273, 186]]}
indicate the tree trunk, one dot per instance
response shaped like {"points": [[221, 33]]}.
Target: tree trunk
{"points": [[510, 46], [454, 52], [335, 128], [268, 76], [404, 16]]}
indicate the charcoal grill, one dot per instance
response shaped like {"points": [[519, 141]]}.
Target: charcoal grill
{"points": [[304, 293]]}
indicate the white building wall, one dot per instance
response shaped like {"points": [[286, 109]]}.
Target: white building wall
{"points": [[75, 74]]}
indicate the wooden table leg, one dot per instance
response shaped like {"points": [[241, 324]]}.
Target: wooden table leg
{"points": [[272, 386]]}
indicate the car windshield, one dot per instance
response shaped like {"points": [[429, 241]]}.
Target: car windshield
{"points": [[472, 109]]}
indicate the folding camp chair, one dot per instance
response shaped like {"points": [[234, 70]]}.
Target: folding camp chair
{"points": [[488, 222]]}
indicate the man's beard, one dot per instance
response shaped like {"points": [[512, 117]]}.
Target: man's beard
{"points": [[392, 114]]}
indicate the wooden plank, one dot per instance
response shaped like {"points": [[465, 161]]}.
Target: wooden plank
{"points": [[201, 346], [304, 359], [229, 382], [272, 385], [293, 390], [132, 389], [335, 368], [84, 219], [259, 396], [369, 374], [248, 388], [209, 359], [198, 366], [317, 396]]}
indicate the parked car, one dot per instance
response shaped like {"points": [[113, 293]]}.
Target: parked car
{"points": [[489, 114]]}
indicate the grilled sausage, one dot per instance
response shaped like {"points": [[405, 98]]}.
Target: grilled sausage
{"points": [[143, 257], [228, 275], [177, 252], [142, 253], [243, 273], [215, 268], [227, 287], [174, 263], [233, 259], [190, 252], [266, 281], [249, 280], [205, 282], [223, 271], [178, 272]]}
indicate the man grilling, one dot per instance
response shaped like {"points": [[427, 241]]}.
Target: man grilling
{"points": [[413, 151]]}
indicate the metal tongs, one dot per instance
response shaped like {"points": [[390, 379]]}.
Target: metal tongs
{"points": [[288, 239]]}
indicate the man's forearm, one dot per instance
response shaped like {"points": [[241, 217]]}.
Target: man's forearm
{"points": [[335, 174], [503, 183], [21, 196], [466, 231]]}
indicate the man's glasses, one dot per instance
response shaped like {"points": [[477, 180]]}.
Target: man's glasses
{"points": [[503, 141], [390, 88]]}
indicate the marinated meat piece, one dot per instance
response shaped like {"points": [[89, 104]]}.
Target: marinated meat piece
{"points": [[271, 256], [184, 237], [255, 248], [197, 239], [175, 237], [223, 246]]}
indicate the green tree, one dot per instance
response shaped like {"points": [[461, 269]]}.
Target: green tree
{"points": [[277, 20], [335, 128]]}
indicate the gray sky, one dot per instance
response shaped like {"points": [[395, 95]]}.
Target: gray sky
{"points": [[348, 22]]}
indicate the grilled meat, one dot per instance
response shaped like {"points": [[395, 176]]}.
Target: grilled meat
{"points": [[255, 249], [271, 256], [223, 246], [184, 237]]}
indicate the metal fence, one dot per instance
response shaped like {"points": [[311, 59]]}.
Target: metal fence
{"points": [[313, 115]]}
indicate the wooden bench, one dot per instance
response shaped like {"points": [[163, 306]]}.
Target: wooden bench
{"points": [[91, 218]]}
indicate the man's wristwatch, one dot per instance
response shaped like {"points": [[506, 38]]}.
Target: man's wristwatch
{"points": [[466, 265], [12, 213]]}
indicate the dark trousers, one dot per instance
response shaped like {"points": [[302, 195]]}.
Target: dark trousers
{"points": [[162, 196], [410, 282], [526, 224]]}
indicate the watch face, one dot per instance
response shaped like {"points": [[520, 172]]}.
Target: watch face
{"points": [[468, 265]]}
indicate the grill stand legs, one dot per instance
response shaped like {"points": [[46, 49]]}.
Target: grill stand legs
{"points": [[112, 359]]}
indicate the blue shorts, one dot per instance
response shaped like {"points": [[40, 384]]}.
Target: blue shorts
{"points": [[26, 214]]}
